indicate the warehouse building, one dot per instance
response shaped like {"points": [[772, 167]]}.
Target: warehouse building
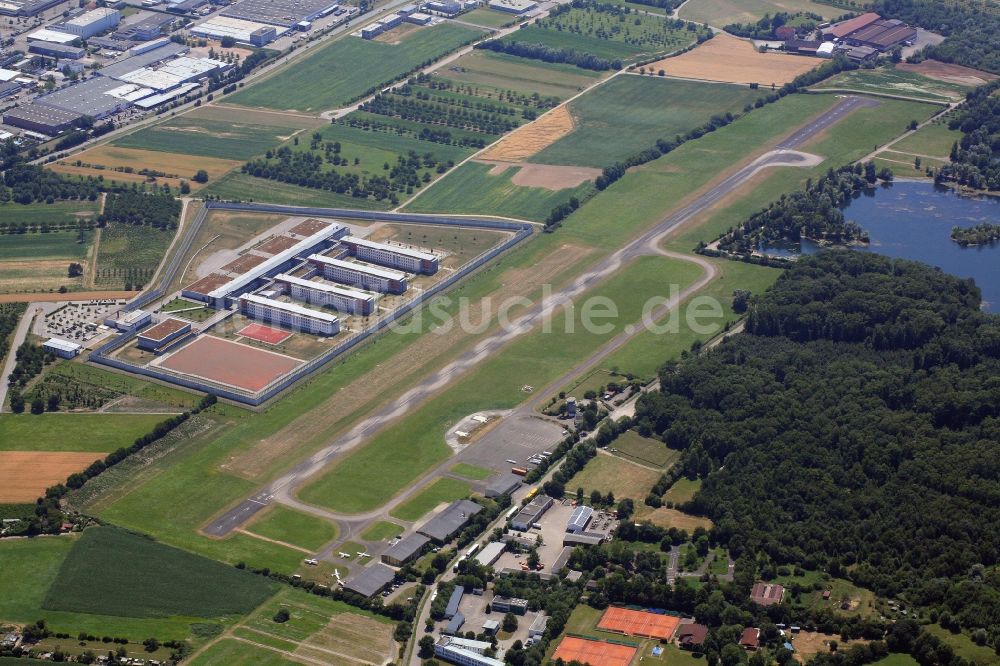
{"points": [[157, 338], [505, 485], [371, 581], [62, 348], [454, 601], [393, 256], [326, 294], [149, 55], [55, 50], [289, 315], [51, 35], [490, 553], [284, 13], [579, 519], [133, 320], [531, 513], [513, 6], [26, 7], [405, 550], [583, 539], [87, 98], [243, 31], [882, 35], [844, 28], [363, 276], [41, 118], [442, 527], [92, 23], [8, 88], [465, 652]]}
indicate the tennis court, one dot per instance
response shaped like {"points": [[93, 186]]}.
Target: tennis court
{"points": [[595, 653], [638, 623], [265, 334]]}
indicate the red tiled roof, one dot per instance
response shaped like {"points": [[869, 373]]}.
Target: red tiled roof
{"points": [[750, 637], [767, 594], [692, 634], [845, 28]]}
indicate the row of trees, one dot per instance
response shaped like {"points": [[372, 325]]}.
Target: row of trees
{"points": [[158, 210], [28, 183], [412, 108], [432, 134], [550, 54]]}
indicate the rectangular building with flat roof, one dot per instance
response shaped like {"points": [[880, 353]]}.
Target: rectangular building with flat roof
{"points": [[448, 523], [157, 337], [531, 513], [55, 50], [406, 549], [285, 13], [92, 23], [62, 348], [326, 294], [490, 553], [579, 519], [509, 605], [364, 276], [465, 652], [288, 315], [370, 581], [393, 256]]}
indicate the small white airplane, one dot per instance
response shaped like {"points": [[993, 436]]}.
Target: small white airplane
{"points": [[344, 555], [362, 553], [336, 574], [312, 562]]}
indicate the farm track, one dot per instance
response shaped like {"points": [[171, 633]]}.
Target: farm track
{"points": [[282, 490]]}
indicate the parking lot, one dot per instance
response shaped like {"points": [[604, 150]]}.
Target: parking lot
{"points": [[79, 322]]}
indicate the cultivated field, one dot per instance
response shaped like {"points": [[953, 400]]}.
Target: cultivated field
{"points": [[129, 254], [202, 134], [55, 212], [347, 68], [24, 475], [721, 13], [40, 261], [124, 164], [73, 432], [290, 526], [476, 188], [637, 111], [512, 73], [950, 73], [607, 473], [728, 59], [897, 81], [528, 139]]}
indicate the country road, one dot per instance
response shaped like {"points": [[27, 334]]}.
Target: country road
{"points": [[282, 489]]}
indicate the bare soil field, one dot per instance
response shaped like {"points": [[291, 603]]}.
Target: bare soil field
{"points": [[941, 71], [665, 517], [317, 425], [177, 166], [74, 295], [553, 177], [728, 59], [24, 475], [529, 139], [810, 643], [353, 637]]}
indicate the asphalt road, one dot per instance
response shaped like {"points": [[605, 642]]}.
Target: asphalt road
{"points": [[282, 489]]}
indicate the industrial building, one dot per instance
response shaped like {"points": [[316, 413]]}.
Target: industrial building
{"points": [[531, 513], [363, 276], [8, 88], [442, 527], [285, 13], [505, 485], [56, 50], [326, 294], [42, 119], [61, 348], [132, 320], [87, 98], [870, 30], [148, 28], [537, 628], [243, 31], [579, 519], [393, 256], [419, 18], [51, 35], [371, 581], [92, 23], [26, 7], [513, 6], [465, 652], [289, 315], [446, 7], [583, 539], [490, 553], [149, 54], [509, 605], [454, 625], [157, 337], [405, 550], [454, 601]]}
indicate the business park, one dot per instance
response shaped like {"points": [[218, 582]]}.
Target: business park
{"points": [[246, 322]]}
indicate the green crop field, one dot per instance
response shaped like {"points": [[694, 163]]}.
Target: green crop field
{"points": [[489, 18], [522, 74], [53, 245], [611, 35], [471, 189], [55, 212], [369, 476], [231, 652], [115, 572], [637, 111], [381, 531], [442, 490], [190, 135], [890, 81], [374, 148], [347, 68], [471, 471], [73, 432], [129, 254], [720, 13], [241, 187], [294, 527]]}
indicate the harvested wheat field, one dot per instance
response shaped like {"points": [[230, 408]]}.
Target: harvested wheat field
{"points": [[529, 139], [933, 69], [547, 176], [810, 643], [728, 59], [350, 638], [110, 161], [24, 475]]}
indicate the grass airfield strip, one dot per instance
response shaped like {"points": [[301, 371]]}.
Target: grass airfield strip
{"points": [[197, 486]]}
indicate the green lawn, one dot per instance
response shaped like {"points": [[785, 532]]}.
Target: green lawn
{"points": [[933, 139], [607, 473], [633, 446], [55, 212], [720, 13], [189, 135], [507, 72], [963, 645], [230, 652], [471, 471], [38, 246], [116, 572], [129, 254], [180, 304], [241, 187], [294, 527], [381, 531], [345, 69], [471, 189], [891, 81], [443, 490], [683, 490], [73, 432], [489, 18], [897, 659], [369, 476], [375, 148], [638, 110]]}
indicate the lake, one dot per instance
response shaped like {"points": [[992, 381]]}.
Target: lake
{"points": [[913, 220]]}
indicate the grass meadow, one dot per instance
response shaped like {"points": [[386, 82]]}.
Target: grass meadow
{"points": [[890, 81], [607, 473], [189, 135], [294, 527], [643, 450], [932, 139], [62, 245], [381, 531], [473, 472], [638, 110], [36, 213], [508, 72], [442, 490], [345, 69], [73, 432], [232, 652]]}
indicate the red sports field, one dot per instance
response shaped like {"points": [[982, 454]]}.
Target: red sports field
{"points": [[231, 363], [595, 653], [265, 334], [638, 623]]}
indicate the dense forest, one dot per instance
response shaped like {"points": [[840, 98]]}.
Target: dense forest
{"points": [[814, 213], [973, 158], [972, 28], [981, 234], [28, 183], [854, 429]]}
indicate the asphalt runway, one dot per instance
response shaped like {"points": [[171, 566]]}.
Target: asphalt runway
{"points": [[282, 488]]}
